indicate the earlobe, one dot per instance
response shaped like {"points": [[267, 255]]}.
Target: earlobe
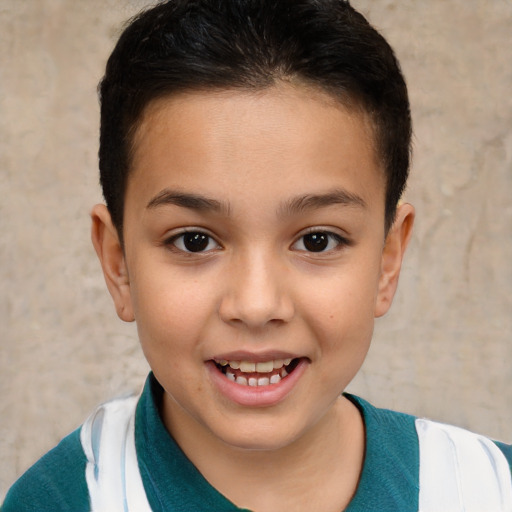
{"points": [[110, 253], [392, 255]]}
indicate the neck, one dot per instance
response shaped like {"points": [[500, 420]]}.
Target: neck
{"points": [[317, 471]]}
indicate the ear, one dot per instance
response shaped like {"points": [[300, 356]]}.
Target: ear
{"points": [[392, 255], [111, 255]]}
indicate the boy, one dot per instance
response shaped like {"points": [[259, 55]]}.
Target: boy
{"points": [[252, 157]]}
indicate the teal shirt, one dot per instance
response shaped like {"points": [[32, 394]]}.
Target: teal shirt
{"points": [[389, 480]]}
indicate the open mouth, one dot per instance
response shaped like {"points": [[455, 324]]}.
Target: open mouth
{"points": [[250, 373]]}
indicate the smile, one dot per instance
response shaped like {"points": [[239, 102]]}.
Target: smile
{"points": [[256, 383], [255, 374]]}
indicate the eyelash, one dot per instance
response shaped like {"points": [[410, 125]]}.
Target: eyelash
{"points": [[200, 236], [319, 237], [324, 235]]}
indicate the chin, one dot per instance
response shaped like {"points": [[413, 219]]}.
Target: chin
{"points": [[258, 436]]}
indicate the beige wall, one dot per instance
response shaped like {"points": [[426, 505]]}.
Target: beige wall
{"points": [[444, 351]]}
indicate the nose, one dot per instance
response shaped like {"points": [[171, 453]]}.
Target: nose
{"points": [[256, 293]]}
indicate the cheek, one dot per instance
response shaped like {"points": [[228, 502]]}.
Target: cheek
{"points": [[350, 292], [171, 311], [341, 308]]}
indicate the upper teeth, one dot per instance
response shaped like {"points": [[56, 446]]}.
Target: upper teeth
{"points": [[261, 367]]}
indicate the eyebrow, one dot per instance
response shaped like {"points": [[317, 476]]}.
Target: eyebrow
{"points": [[307, 202], [295, 205], [186, 200]]}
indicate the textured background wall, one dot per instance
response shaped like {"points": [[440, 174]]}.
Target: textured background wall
{"points": [[444, 351]]}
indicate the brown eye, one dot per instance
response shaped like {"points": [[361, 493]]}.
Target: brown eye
{"points": [[316, 242], [320, 241], [193, 241]]}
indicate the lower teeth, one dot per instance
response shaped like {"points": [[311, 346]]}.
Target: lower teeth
{"points": [[253, 381], [256, 381]]}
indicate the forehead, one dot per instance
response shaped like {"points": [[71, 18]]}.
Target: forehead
{"points": [[291, 134]]}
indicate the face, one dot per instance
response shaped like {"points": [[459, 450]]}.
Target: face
{"points": [[255, 259]]}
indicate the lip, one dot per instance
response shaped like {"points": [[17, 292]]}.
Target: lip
{"points": [[258, 396]]}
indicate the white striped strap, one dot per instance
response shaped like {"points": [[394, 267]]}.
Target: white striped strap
{"points": [[112, 471], [461, 471]]}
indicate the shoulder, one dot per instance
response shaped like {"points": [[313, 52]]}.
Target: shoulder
{"points": [[55, 482], [462, 445], [412, 462], [462, 468]]}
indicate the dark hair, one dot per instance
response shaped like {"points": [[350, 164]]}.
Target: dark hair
{"points": [[181, 45]]}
